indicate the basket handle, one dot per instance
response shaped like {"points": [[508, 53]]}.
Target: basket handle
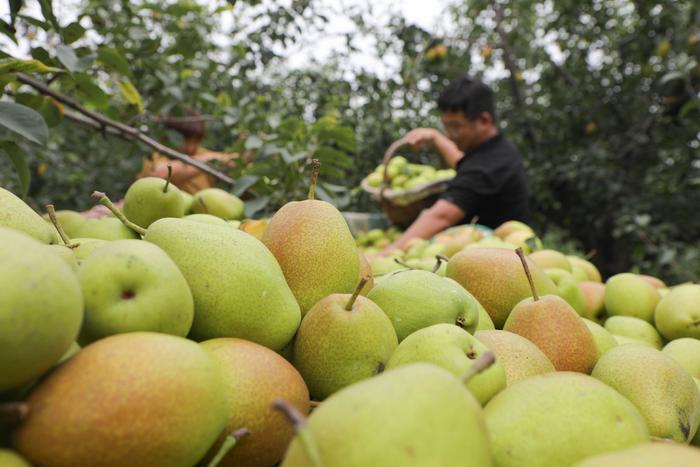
{"points": [[390, 152]]}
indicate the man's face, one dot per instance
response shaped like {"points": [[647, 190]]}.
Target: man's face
{"points": [[465, 133]]}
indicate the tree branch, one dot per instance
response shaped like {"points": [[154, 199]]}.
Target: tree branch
{"points": [[125, 131]]}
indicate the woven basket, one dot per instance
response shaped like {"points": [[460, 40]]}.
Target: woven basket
{"points": [[403, 207]]}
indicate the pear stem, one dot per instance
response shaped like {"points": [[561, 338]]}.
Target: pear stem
{"points": [[301, 430], [13, 413], [228, 444], [315, 167], [54, 220], [314, 404], [438, 262], [357, 291], [106, 202], [167, 180], [590, 254], [399, 262], [521, 255], [204, 205], [480, 364]]}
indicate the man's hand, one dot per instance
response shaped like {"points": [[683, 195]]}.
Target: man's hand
{"points": [[420, 138]]}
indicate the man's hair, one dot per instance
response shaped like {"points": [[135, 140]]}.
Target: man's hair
{"points": [[467, 95], [189, 126]]}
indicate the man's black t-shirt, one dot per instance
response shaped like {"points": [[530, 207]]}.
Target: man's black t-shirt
{"points": [[491, 184]]}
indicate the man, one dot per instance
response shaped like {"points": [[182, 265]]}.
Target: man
{"points": [[490, 183]]}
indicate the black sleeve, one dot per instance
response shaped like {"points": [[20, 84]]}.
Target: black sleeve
{"points": [[467, 191]]}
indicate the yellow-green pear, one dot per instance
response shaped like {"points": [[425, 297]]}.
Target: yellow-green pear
{"points": [[86, 246], [678, 313], [685, 351], [206, 219], [485, 322], [219, 203], [417, 299], [255, 377], [187, 200], [525, 240], [382, 265], [237, 285], [314, 247], [657, 454], [70, 221], [151, 198], [454, 349], [509, 227], [558, 419], [496, 279], [41, 308], [634, 328], [12, 459], [16, 214], [547, 259], [413, 416], [604, 341], [135, 399], [588, 267], [65, 253], [519, 357], [594, 300], [627, 294], [341, 340], [105, 228], [662, 390], [132, 285], [569, 289]]}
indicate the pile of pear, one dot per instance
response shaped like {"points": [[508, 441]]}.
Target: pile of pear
{"points": [[403, 175], [196, 343]]}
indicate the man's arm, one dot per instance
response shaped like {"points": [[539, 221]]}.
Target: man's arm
{"points": [[431, 137], [441, 215]]}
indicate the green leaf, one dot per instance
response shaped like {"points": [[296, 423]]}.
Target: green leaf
{"points": [[15, 65], [255, 205], [131, 94], [253, 142], [15, 6], [113, 60], [19, 160], [47, 11], [67, 56], [36, 22], [73, 32], [91, 91], [24, 121], [8, 30], [243, 183]]}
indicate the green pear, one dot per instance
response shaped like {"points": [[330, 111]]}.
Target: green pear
{"points": [[132, 285], [520, 357], [256, 376], [662, 390], [604, 341], [217, 202], [413, 416], [594, 299], [634, 328], [131, 399], [312, 242], [578, 273], [70, 221], [12, 459], [151, 198], [623, 340], [86, 246], [685, 351], [454, 349], [342, 339], [383, 265], [569, 289], [485, 323], [415, 248], [416, 299], [509, 227], [238, 287], [65, 253], [588, 267], [187, 201], [657, 454], [548, 259], [525, 240], [678, 313], [628, 294], [558, 419], [496, 279], [16, 214], [105, 228], [41, 308], [490, 242], [205, 219]]}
